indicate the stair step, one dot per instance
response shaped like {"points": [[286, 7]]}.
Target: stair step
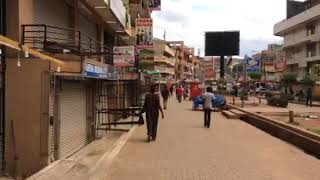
{"points": [[230, 115], [237, 112]]}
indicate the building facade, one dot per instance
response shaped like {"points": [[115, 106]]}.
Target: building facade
{"points": [[164, 62], [301, 33], [53, 110]]}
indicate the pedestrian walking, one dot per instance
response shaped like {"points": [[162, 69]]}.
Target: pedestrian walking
{"points": [[165, 96], [180, 93], [207, 106], [152, 107], [309, 97], [171, 91]]}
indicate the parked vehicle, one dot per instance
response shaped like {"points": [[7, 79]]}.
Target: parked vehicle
{"points": [[218, 102]]}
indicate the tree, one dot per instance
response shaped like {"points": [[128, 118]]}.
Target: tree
{"points": [[310, 80], [255, 75], [289, 78]]}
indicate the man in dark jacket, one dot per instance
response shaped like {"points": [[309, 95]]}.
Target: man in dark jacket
{"points": [[309, 97], [165, 95], [152, 107]]}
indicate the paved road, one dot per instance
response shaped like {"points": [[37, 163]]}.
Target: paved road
{"points": [[230, 150]]}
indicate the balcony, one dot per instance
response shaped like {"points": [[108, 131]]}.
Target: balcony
{"points": [[281, 28], [169, 51], [59, 40], [300, 40], [113, 12]]}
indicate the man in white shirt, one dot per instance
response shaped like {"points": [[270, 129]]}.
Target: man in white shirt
{"points": [[207, 106]]}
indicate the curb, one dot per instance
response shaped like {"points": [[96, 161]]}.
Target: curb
{"points": [[100, 170]]}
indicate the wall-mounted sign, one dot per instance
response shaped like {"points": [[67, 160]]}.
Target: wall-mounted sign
{"points": [[280, 66], [144, 33], [119, 10], [252, 64], [123, 56], [94, 71], [154, 5]]}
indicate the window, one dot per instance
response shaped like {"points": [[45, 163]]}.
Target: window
{"points": [[311, 50], [311, 29]]}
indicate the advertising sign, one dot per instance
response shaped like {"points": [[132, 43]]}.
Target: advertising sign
{"points": [[209, 70], [94, 71], [123, 56], [119, 10], [253, 64], [154, 5], [144, 33], [280, 66]]}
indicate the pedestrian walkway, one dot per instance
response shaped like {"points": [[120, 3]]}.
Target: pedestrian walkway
{"points": [[229, 150]]}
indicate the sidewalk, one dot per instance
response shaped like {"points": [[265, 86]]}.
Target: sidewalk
{"points": [[229, 150], [88, 162]]}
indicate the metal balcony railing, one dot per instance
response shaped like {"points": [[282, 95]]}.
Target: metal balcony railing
{"points": [[63, 40]]}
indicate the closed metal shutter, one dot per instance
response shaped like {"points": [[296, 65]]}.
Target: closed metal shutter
{"points": [[51, 136], [73, 124], [90, 29], [87, 27], [53, 13]]}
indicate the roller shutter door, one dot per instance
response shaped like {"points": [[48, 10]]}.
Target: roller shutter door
{"points": [[73, 124], [53, 13]]}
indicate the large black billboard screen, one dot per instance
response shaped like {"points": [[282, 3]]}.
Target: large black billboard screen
{"points": [[222, 43]]}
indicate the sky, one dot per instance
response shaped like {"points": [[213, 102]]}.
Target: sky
{"points": [[187, 20]]}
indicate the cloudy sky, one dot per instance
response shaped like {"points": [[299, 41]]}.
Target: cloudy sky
{"points": [[188, 20]]}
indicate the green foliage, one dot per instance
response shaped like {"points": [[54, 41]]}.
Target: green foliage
{"points": [[278, 101], [255, 76], [289, 78], [310, 80]]}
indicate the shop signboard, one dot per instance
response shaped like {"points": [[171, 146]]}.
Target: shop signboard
{"points": [[95, 71], [123, 56], [252, 64], [154, 5], [119, 11], [144, 33], [280, 66]]}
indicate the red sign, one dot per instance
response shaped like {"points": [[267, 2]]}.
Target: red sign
{"points": [[280, 66]]}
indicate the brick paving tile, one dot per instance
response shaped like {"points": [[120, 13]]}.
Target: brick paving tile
{"points": [[229, 150]]}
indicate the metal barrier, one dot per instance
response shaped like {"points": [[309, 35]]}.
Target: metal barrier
{"points": [[63, 40]]}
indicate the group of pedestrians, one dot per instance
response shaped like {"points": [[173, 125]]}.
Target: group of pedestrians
{"points": [[152, 107]]}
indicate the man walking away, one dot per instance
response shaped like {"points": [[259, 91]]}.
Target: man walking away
{"points": [[180, 93], [207, 106], [309, 97], [165, 96], [152, 107], [171, 91]]}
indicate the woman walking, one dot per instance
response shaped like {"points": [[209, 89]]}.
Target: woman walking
{"points": [[152, 107]]}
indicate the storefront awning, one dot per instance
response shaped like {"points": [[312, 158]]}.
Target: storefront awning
{"points": [[16, 45]]}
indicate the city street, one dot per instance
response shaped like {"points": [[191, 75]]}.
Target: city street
{"points": [[230, 149]]}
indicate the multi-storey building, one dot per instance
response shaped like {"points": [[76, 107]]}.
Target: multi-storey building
{"points": [[53, 110], [301, 33], [270, 58], [164, 62], [187, 64]]}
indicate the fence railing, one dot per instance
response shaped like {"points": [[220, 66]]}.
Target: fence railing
{"points": [[63, 40]]}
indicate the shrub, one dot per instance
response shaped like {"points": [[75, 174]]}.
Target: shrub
{"points": [[278, 101]]}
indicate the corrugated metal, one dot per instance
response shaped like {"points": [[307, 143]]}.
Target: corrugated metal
{"points": [[73, 124], [53, 13], [51, 127], [88, 28]]}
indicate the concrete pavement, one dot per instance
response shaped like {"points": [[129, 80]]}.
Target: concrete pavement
{"points": [[231, 149]]}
